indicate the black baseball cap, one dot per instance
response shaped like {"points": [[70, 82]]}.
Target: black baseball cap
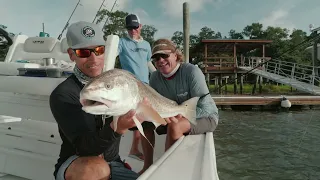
{"points": [[132, 20]]}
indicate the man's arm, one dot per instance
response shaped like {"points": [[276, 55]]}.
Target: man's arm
{"points": [[80, 127], [149, 60], [207, 111], [204, 124]]}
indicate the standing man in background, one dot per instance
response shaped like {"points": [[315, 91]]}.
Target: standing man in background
{"points": [[135, 57]]}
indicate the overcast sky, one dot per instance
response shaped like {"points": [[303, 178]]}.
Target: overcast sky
{"points": [[27, 16]]}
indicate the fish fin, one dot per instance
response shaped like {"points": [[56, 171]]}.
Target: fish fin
{"points": [[156, 124], [140, 128], [150, 114], [115, 122], [189, 109]]}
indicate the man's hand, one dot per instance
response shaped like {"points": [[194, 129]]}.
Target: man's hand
{"points": [[126, 122], [175, 119], [179, 124]]}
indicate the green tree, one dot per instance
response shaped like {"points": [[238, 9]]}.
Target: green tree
{"points": [[148, 32], [253, 31], [299, 55], [194, 40], [207, 33], [283, 42], [177, 38], [4, 47], [235, 35], [115, 22]]}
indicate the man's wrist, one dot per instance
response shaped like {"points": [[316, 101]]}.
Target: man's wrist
{"points": [[119, 131]]}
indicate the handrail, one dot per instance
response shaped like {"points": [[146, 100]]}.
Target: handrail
{"points": [[300, 72]]}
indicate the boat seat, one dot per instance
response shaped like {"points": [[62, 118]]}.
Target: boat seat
{"points": [[39, 44], [34, 49], [64, 45]]}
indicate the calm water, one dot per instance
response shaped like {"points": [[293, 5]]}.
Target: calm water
{"points": [[268, 145]]}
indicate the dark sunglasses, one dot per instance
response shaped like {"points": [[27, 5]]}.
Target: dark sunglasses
{"points": [[131, 28], [84, 53], [157, 57]]}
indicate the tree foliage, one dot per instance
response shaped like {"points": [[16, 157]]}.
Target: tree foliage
{"points": [[148, 32], [283, 40], [114, 22], [3, 43]]}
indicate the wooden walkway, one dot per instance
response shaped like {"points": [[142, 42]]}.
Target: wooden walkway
{"points": [[302, 86]]}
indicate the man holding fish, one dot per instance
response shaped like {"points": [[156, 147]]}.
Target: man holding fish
{"points": [[180, 100], [180, 82], [90, 148], [135, 57]]}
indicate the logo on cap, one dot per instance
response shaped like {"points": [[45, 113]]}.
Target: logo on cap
{"points": [[88, 32]]}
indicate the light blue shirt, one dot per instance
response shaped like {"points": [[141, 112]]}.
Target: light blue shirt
{"points": [[134, 57]]}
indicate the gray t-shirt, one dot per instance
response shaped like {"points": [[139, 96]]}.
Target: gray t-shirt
{"points": [[188, 82]]}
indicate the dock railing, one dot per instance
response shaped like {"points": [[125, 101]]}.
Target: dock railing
{"points": [[300, 72]]}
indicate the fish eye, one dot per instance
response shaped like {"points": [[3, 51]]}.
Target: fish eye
{"points": [[108, 86]]}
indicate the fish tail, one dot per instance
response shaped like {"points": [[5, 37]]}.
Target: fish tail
{"points": [[189, 109]]}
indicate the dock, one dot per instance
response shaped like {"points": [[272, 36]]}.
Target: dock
{"points": [[227, 61], [264, 100]]}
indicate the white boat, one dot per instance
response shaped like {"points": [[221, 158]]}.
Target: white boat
{"points": [[29, 138]]}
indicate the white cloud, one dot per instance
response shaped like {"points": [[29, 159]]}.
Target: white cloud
{"points": [[279, 17], [89, 8], [174, 8], [165, 31], [142, 14], [282, 15]]}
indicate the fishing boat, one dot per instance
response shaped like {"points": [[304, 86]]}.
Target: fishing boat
{"points": [[29, 138]]}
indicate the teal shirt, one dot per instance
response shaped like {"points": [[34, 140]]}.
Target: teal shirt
{"points": [[134, 57]]}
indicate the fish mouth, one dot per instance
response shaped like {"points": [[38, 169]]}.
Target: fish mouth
{"points": [[88, 102], [96, 102]]}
